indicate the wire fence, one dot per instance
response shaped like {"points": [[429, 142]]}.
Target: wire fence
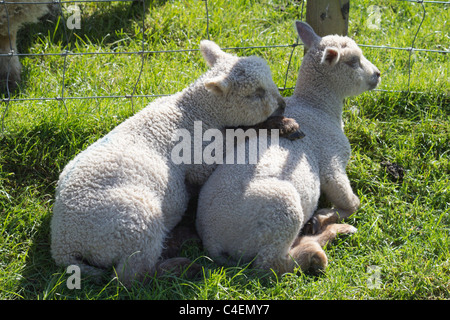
{"points": [[61, 96]]}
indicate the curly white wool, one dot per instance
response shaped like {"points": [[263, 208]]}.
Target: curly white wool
{"points": [[117, 200], [247, 211]]}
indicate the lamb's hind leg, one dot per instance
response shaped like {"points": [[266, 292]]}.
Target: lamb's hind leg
{"points": [[320, 220], [330, 232], [307, 252]]}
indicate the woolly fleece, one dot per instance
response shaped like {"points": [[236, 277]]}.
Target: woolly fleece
{"points": [[247, 211], [117, 200]]}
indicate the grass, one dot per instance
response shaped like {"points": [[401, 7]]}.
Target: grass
{"points": [[403, 225]]}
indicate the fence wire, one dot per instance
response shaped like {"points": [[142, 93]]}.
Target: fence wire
{"points": [[6, 99]]}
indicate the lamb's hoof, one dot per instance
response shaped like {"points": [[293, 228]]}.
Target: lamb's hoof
{"points": [[296, 135], [346, 229], [311, 227], [178, 267], [320, 220]]}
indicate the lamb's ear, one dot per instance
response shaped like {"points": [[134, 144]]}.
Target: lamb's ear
{"points": [[211, 52], [306, 34], [331, 56], [219, 85]]}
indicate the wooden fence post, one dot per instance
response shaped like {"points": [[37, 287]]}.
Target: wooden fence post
{"points": [[328, 16]]}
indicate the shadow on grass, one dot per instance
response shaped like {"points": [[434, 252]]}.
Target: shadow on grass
{"points": [[30, 161], [98, 27]]}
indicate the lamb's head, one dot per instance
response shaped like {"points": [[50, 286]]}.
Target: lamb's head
{"points": [[243, 86], [339, 61]]}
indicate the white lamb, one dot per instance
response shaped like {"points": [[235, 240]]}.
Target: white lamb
{"points": [[117, 200], [256, 211], [12, 17]]}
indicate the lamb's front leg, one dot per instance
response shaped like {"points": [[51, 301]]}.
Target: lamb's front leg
{"points": [[336, 186]]}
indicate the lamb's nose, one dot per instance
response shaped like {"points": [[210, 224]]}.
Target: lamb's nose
{"points": [[377, 73]]}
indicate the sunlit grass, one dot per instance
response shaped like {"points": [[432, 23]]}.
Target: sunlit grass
{"points": [[403, 226]]}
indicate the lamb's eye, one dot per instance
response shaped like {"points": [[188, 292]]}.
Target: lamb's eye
{"points": [[353, 62], [259, 93]]}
